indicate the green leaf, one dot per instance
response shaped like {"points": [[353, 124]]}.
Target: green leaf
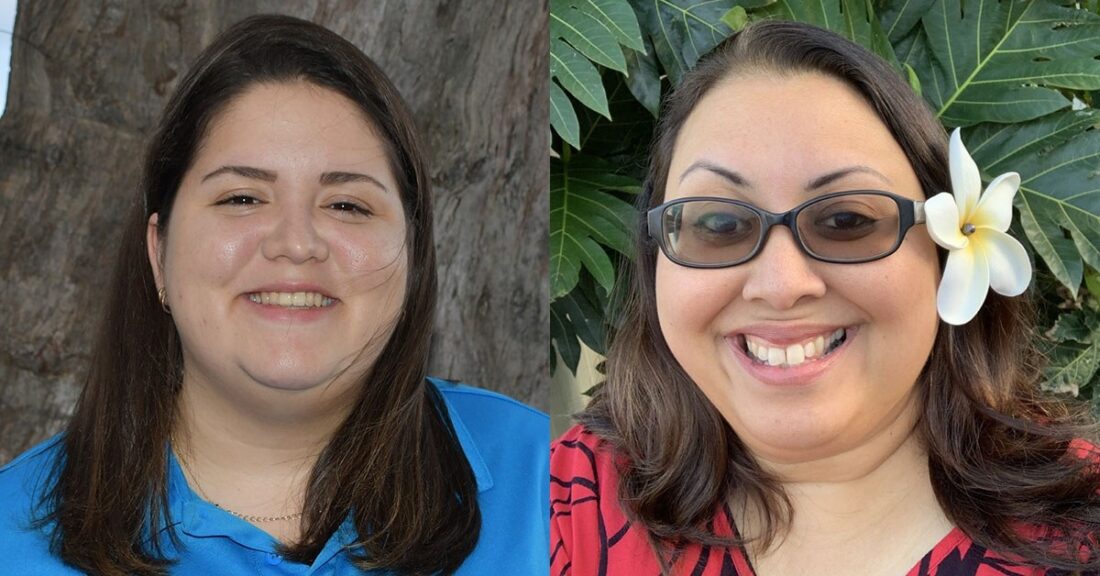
{"points": [[911, 76], [563, 118], [1001, 61], [1071, 366], [1077, 326], [644, 80], [582, 218], [579, 76], [899, 17], [682, 30], [619, 17], [564, 339], [587, 33], [736, 18], [1074, 353], [1058, 159], [1092, 282], [584, 314], [853, 19]]}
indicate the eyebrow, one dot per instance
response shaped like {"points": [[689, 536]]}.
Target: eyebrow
{"points": [[819, 182], [726, 173], [327, 178], [826, 179]]}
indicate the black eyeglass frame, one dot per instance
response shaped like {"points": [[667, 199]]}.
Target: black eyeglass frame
{"points": [[910, 213]]}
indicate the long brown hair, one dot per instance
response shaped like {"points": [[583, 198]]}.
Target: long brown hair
{"points": [[395, 464], [999, 451]]}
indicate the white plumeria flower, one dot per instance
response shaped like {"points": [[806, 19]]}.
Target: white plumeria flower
{"points": [[972, 225]]}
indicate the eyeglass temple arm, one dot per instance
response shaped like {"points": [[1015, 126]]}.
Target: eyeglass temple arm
{"points": [[918, 212]]}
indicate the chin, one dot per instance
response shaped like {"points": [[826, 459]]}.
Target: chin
{"points": [[787, 436], [293, 374]]}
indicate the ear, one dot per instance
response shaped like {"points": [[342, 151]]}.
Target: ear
{"points": [[152, 246]]}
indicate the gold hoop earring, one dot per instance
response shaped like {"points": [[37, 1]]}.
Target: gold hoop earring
{"points": [[162, 295]]}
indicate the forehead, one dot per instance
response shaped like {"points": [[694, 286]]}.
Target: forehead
{"points": [[279, 119], [782, 131]]}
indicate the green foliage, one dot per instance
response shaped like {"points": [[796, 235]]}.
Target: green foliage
{"points": [[1074, 353], [1021, 77], [583, 34], [1059, 199], [682, 30], [584, 215], [990, 61]]}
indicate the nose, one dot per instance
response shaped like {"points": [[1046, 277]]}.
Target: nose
{"points": [[294, 237], [781, 275]]}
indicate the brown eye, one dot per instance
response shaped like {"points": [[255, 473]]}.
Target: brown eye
{"points": [[351, 207], [239, 200]]}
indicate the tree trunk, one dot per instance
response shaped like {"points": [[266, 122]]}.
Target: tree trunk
{"points": [[88, 81]]}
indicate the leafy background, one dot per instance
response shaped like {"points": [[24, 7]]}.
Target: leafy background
{"points": [[1022, 79]]}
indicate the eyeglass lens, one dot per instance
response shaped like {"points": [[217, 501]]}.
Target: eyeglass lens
{"points": [[849, 227]]}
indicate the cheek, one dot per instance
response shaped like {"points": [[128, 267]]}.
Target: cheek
{"points": [[208, 252], [904, 307], [689, 302], [374, 258]]}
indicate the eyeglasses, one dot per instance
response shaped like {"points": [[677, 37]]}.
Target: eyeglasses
{"points": [[843, 227]]}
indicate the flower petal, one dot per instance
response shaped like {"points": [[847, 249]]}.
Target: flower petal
{"points": [[963, 287], [1009, 267], [966, 182], [941, 217], [995, 206]]}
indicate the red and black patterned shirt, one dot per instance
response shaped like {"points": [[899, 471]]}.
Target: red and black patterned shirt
{"points": [[590, 535]]}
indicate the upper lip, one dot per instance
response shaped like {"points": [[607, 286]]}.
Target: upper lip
{"points": [[291, 286], [785, 334]]}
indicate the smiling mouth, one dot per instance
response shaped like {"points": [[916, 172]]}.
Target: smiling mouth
{"points": [[292, 299], [809, 350]]}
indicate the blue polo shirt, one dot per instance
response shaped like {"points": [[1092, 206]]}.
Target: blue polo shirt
{"points": [[506, 443]]}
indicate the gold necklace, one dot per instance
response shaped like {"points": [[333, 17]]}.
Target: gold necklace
{"points": [[245, 517]]}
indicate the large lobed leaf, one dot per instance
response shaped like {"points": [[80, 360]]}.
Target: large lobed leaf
{"points": [[682, 30], [853, 19], [578, 317], [584, 218], [999, 61], [1058, 159], [584, 33], [1074, 353]]}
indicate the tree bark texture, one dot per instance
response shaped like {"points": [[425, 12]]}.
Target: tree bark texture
{"points": [[88, 82]]}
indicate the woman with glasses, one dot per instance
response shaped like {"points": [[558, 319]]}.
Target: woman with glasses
{"points": [[258, 402], [799, 385]]}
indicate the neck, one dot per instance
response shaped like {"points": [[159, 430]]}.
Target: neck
{"points": [[831, 503], [252, 453]]}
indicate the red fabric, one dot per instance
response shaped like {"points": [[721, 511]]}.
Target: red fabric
{"points": [[590, 535]]}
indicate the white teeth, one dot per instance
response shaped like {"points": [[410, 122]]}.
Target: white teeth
{"points": [[291, 299], [794, 354]]}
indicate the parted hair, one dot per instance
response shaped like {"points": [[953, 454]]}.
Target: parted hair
{"points": [[1007, 462], [394, 465]]}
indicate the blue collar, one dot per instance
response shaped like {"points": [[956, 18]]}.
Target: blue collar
{"points": [[469, 447]]}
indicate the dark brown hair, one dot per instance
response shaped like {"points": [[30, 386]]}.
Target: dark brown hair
{"points": [[395, 464], [999, 451]]}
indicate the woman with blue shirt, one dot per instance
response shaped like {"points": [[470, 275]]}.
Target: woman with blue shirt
{"points": [[257, 401]]}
